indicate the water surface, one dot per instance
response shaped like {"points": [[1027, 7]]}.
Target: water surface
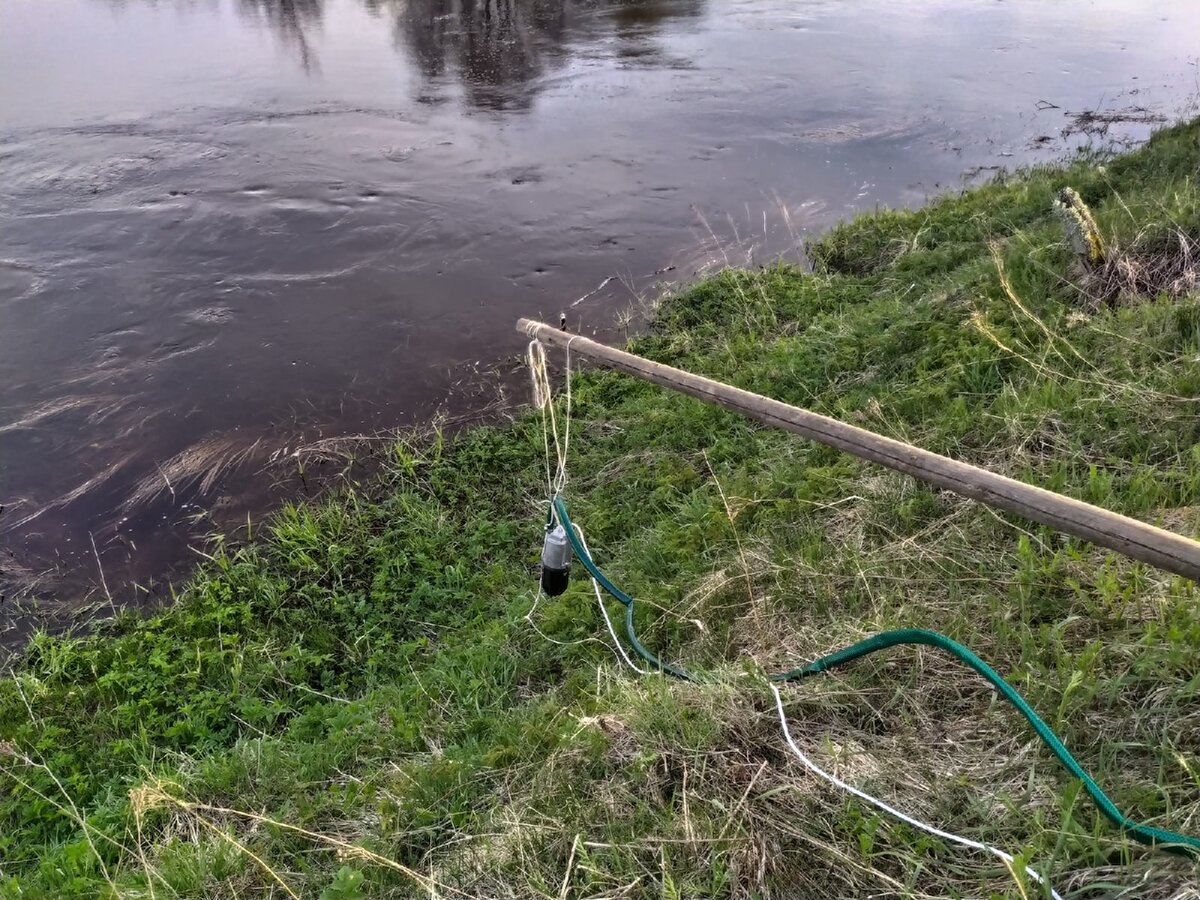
{"points": [[232, 228]]}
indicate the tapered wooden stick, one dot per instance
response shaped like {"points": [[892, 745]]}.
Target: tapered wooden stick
{"points": [[1163, 549]]}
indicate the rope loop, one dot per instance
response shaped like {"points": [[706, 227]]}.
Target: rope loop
{"points": [[536, 355], [543, 400]]}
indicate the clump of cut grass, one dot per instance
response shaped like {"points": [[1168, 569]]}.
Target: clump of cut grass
{"points": [[1154, 266], [356, 703]]}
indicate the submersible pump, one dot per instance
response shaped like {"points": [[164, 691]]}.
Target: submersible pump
{"points": [[556, 561]]}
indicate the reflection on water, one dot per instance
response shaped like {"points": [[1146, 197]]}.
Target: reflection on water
{"points": [[497, 49], [292, 20], [234, 233]]}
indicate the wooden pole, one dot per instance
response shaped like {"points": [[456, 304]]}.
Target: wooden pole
{"points": [[1164, 549]]}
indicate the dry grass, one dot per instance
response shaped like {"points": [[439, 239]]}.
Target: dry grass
{"points": [[1098, 123], [201, 466], [1149, 268]]}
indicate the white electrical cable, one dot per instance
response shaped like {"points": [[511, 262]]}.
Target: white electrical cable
{"points": [[1006, 858], [604, 612]]}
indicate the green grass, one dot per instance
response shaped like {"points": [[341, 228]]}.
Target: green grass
{"points": [[356, 702]]}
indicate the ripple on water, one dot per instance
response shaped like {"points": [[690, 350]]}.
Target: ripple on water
{"points": [[19, 281], [211, 315], [317, 205]]}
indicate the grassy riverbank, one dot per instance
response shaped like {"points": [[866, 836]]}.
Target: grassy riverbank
{"points": [[362, 701]]}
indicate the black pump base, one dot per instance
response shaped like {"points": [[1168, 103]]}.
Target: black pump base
{"points": [[555, 581]]}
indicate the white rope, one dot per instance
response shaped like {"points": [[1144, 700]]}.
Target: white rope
{"points": [[560, 482], [543, 399], [537, 599], [1006, 858]]}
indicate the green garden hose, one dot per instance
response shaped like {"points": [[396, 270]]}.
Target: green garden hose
{"points": [[560, 510], [1146, 834]]}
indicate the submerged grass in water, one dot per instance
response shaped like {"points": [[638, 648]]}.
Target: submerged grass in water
{"points": [[356, 704]]}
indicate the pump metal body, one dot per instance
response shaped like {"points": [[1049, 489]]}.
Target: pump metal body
{"points": [[556, 561]]}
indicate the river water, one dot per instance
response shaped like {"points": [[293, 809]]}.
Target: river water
{"points": [[234, 228]]}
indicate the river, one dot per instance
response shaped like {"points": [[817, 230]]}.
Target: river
{"points": [[231, 230]]}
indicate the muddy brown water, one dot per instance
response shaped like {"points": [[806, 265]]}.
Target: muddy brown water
{"points": [[233, 228]]}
